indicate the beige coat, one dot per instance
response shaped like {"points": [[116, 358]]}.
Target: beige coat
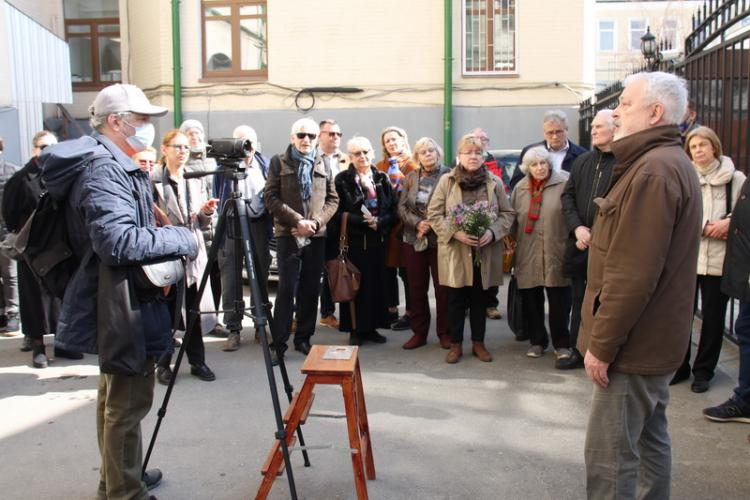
{"points": [[714, 194], [455, 263], [540, 255]]}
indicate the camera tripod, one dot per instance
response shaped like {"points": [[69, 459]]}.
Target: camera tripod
{"points": [[234, 223]]}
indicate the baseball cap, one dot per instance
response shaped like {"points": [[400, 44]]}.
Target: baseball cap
{"points": [[123, 98], [191, 124]]}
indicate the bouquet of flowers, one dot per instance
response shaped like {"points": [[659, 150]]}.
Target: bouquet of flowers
{"points": [[474, 220]]}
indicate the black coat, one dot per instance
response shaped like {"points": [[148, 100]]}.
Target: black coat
{"points": [[21, 195], [736, 270], [590, 177], [574, 151]]}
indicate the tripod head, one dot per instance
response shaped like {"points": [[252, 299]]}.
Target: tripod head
{"points": [[230, 155]]}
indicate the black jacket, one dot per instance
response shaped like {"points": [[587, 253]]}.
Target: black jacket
{"points": [[351, 200], [21, 195], [590, 178], [574, 151], [7, 170], [736, 270]]}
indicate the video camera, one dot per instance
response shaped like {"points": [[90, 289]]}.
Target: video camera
{"points": [[229, 152]]}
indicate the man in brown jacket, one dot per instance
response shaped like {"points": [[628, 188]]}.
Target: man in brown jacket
{"points": [[637, 311]]}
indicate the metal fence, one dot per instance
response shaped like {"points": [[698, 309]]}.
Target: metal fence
{"points": [[717, 69]]}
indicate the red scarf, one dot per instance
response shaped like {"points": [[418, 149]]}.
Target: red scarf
{"points": [[535, 205]]}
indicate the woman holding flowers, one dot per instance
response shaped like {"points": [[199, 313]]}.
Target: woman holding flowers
{"points": [[541, 232], [471, 215]]}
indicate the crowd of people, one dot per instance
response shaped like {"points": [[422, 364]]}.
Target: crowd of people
{"points": [[620, 240]]}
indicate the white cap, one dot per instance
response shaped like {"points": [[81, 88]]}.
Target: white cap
{"points": [[124, 98]]}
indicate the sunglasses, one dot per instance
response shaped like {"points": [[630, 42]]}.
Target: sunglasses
{"points": [[334, 134], [364, 152], [302, 135]]}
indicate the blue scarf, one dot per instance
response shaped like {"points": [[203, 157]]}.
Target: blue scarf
{"points": [[304, 171]]}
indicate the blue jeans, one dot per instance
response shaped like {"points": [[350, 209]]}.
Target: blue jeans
{"points": [[628, 450], [742, 329]]}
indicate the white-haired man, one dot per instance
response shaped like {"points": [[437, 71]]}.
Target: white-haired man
{"points": [[562, 150], [261, 231], [638, 308], [302, 199], [589, 179]]}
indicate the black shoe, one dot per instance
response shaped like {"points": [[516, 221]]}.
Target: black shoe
{"points": [[699, 385], [355, 339], [375, 337], [163, 374], [27, 345], [402, 323], [303, 347], [39, 359], [64, 353], [203, 372], [152, 478], [727, 412], [574, 361], [680, 376]]}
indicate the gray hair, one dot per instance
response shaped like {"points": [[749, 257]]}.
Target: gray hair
{"points": [[606, 114], [245, 132], [359, 142], [555, 115], [666, 89], [97, 122], [306, 123], [538, 153]]}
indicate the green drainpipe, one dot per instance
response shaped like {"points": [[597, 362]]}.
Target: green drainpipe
{"points": [[448, 83], [176, 65]]}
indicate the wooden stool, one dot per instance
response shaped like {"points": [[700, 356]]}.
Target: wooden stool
{"points": [[343, 372]]}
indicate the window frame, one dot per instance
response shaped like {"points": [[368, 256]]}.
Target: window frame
{"points": [[96, 83], [490, 43], [599, 37], [236, 73], [676, 29]]}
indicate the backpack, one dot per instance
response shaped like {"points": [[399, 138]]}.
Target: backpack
{"points": [[43, 243]]}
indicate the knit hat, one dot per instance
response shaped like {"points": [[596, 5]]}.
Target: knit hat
{"points": [[190, 124]]}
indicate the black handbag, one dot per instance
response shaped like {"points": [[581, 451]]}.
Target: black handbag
{"points": [[515, 309]]}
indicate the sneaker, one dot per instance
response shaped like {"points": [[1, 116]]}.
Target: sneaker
{"points": [[329, 321], [535, 351], [12, 326], [219, 331], [39, 360], [563, 353], [232, 343], [493, 313], [727, 412], [402, 323]]}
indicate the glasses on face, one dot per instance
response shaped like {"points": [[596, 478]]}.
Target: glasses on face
{"points": [[363, 152], [302, 135], [553, 133], [179, 146], [334, 134]]}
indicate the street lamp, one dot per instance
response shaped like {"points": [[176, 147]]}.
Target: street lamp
{"points": [[650, 50]]}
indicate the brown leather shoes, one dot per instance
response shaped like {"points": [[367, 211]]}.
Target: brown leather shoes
{"points": [[454, 354], [415, 341], [481, 352]]}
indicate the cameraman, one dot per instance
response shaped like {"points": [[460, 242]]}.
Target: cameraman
{"points": [[251, 187]]}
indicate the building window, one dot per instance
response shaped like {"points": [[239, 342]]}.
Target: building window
{"points": [[235, 38], [92, 29], [637, 30], [489, 37], [668, 32], [607, 36]]}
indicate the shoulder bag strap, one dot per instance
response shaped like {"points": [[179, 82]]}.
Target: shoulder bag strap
{"points": [[344, 237], [729, 195]]}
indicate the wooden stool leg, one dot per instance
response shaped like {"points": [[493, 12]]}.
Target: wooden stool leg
{"points": [[364, 426], [352, 424]]}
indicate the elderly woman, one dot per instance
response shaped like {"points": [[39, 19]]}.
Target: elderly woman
{"points": [[420, 244], [540, 232], [302, 199], [720, 186], [146, 159], [369, 201], [467, 281], [396, 164], [185, 204]]}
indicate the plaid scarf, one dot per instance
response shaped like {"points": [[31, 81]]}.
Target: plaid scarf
{"points": [[535, 205]]}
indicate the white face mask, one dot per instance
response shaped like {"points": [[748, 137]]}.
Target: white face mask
{"points": [[143, 137]]}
